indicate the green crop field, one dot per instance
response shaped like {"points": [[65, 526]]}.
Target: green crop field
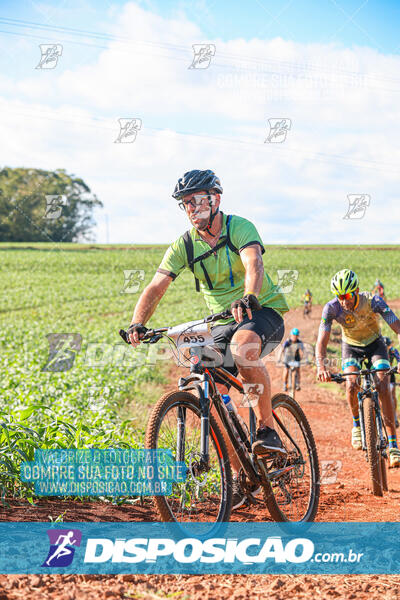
{"points": [[102, 400]]}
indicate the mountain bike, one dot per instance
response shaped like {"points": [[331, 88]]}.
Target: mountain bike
{"points": [[374, 437], [307, 310], [183, 422]]}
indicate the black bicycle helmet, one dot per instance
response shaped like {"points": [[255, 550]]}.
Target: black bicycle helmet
{"points": [[196, 180], [387, 340]]}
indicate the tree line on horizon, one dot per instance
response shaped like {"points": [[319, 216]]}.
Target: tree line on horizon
{"points": [[45, 206]]}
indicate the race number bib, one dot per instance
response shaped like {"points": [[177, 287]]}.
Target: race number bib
{"points": [[194, 333]]}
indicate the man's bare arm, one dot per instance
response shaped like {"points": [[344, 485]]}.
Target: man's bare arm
{"points": [[320, 354], [254, 274], [396, 328], [254, 267], [148, 302]]}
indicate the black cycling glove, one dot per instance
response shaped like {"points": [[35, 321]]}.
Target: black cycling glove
{"points": [[248, 301], [139, 327]]}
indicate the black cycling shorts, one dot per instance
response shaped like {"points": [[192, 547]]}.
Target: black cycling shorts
{"points": [[376, 353], [266, 322]]}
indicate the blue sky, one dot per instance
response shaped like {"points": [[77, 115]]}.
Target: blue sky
{"points": [[331, 68], [372, 23]]}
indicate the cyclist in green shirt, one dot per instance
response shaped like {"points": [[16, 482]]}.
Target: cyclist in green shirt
{"points": [[225, 256]]}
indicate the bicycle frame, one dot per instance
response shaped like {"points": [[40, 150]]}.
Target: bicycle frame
{"points": [[205, 386]]}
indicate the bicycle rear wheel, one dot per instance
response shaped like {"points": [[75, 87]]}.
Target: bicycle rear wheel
{"points": [[294, 495], [373, 454], [206, 495]]}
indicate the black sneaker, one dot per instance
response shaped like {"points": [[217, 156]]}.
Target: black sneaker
{"points": [[238, 497], [267, 440]]}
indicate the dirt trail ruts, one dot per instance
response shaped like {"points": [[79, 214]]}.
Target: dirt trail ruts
{"points": [[347, 499]]}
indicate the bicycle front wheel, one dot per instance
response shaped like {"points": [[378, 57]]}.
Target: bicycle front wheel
{"points": [[373, 454], [293, 493], [206, 494]]}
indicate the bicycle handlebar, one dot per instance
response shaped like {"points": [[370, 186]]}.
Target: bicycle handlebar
{"points": [[340, 377], [152, 336]]}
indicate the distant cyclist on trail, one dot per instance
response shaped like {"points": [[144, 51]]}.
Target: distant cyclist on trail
{"points": [[224, 252], [307, 297], [293, 350], [358, 315], [379, 289], [307, 300], [393, 355]]}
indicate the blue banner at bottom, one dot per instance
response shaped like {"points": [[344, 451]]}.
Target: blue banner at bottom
{"points": [[200, 548]]}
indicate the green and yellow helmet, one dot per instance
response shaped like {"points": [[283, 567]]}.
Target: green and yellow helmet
{"points": [[344, 282]]}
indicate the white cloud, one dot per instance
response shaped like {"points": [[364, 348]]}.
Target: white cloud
{"points": [[343, 139]]}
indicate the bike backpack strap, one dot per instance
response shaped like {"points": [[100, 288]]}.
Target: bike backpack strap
{"points": [[187, 239], [225, 241]]}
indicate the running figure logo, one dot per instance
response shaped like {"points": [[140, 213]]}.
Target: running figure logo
{"points": [[62, 542], [54, 206], [358, 204], [128, 129], [286, 280], [278, 129], [252, 392], [50, 54], [133, 279], [62, 351], [203, 54]]}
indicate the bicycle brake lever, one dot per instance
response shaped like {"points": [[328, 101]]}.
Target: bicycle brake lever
{"points": [[153, 340], [124, 336]]}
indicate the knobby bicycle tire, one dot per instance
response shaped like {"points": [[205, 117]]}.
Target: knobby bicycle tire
{"points": [[161, 408], [269, 496], [373, 454], [383, 472]]}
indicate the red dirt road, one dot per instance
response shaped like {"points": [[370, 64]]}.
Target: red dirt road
{"points": [[348, 499]]}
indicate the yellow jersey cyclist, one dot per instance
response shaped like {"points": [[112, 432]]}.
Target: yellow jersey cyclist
{"points": [[224, 252], [307, 303], [358, 315], [307, 297]]}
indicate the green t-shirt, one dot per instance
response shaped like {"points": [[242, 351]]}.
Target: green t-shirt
{"points": [[242, 233]]}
